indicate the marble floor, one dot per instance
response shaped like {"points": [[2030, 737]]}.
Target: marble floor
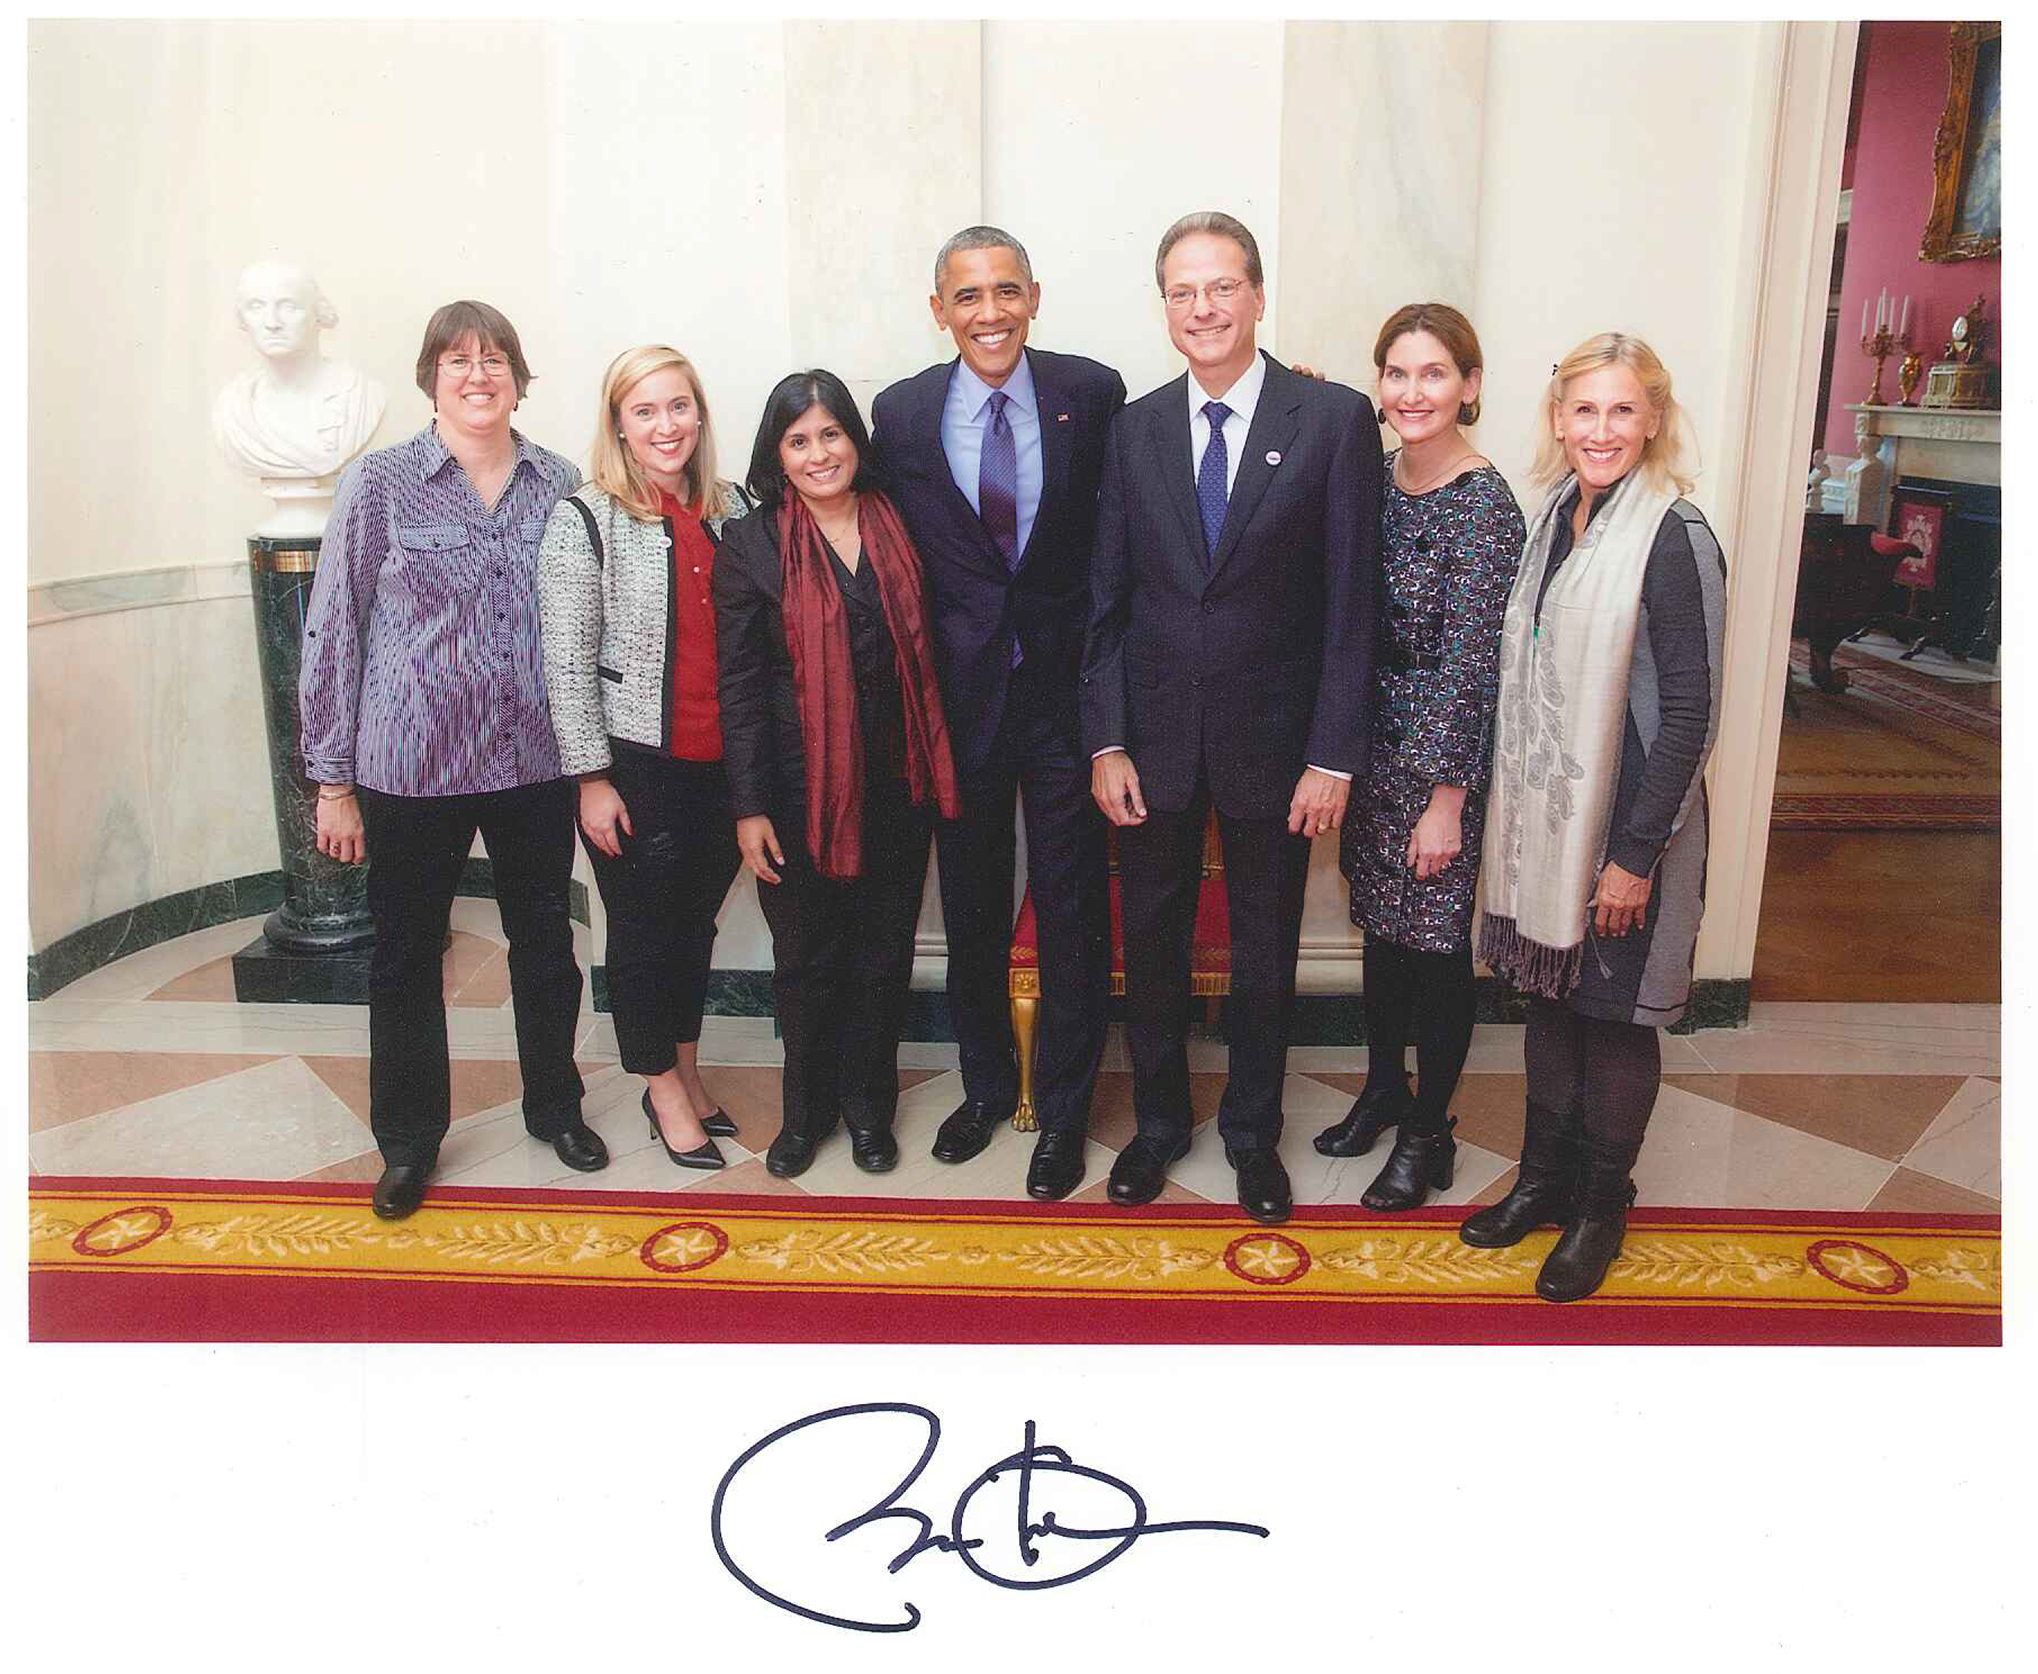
{"points": [[148, 1068]]}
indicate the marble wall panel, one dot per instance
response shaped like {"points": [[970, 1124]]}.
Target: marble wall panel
{"points": [[91, 847], [211, 809], [1381, 139], [1092, 148], [883, 160]]}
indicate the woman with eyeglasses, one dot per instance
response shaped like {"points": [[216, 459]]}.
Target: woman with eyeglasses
{"points": [[838, 758], [425, 718], [629, 628]]}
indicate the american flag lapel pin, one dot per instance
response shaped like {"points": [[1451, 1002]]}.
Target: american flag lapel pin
{"points": [[1061, 418], [1273, 456]]}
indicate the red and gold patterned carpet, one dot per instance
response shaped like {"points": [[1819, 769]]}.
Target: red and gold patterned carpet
{"points": [[170, 1260]]}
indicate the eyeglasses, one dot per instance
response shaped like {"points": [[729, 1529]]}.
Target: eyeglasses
{"points": [[1179, 297], [458, 366]]}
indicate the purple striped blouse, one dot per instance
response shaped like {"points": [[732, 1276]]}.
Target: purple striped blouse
{"points": [[422, 672]]}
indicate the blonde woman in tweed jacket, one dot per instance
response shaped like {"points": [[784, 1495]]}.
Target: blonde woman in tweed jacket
{"points": [[629, 645]]}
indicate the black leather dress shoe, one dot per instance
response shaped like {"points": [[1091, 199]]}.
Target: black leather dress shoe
{"points": [[579, 1147], [967, 1129], [719, 1122], [789, 1154], [873, 1150], [1057, 1166], [1142, 1168], [401, 1189], [1263, 1190]]}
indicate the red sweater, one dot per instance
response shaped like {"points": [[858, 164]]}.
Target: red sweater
{"points": [[696, 719]]}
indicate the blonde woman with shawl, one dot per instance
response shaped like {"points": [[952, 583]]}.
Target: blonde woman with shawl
{"points": [[1596, 823]]}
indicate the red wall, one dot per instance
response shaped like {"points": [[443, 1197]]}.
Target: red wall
{"points": [[1903, 92]]}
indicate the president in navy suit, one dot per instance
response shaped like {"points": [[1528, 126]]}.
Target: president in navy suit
{"points": [[1229, 663], [996, 457]]}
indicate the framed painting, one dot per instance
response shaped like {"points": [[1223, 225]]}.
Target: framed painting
{"points": [[1967, 154], [1918, 515]]}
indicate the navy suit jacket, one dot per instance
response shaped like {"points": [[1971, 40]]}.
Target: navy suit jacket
{"points": [[978, 605], [1257, 661]]}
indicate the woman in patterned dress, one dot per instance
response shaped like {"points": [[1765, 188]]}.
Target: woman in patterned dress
{"points": [[1451, 537]]}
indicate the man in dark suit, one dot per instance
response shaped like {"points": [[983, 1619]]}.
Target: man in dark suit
{"points": [[1229, 660], [995, 458]]}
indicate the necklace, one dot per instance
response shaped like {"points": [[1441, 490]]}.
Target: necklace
{"points": [[1414, 490]]}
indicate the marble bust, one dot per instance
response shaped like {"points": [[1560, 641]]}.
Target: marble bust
{"points": [[295, 417]]}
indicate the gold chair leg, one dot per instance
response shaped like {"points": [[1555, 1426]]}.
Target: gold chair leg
{"points": [[1025, 1010]]}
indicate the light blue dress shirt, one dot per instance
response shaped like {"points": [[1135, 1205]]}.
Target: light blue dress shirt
{"points": [[965, 417]]}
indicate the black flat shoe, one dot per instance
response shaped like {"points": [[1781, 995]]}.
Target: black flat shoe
{"points": [[873, 1150], [1057, 1165], [967, 1129], [401, 1189], [1372, 1114], [1263, 1189], [790, 1153], [719, 1122], [704, 1155], [1142, 1168], [1420, 1163], [579, 1147]]}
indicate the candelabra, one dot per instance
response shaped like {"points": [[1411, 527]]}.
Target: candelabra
{"points": [[1878, 346]]}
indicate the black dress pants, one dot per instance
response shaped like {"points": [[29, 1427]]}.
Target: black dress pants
{"points": [[662, 895], [1067, 869], [842, 959], [1160, 872], [416, 848]]}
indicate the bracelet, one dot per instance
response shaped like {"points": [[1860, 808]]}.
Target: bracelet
{"points": [[338, 797]]}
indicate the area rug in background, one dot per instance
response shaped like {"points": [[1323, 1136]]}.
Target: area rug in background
{"points": [[1896, 751], [113, 1260]]}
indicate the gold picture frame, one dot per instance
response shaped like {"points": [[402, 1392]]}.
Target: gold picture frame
{"points": [[1966, 220]]}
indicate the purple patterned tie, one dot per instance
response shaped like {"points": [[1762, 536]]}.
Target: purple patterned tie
{"points": [[998, 482], [1211, 494]]}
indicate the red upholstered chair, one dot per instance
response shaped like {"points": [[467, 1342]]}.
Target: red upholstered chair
{"points": [[1209, 958]]}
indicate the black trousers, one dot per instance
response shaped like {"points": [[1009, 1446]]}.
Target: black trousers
{"points": [[416, 847], [662, 896], [1067, 869], [842, 958], [1160, 867]]}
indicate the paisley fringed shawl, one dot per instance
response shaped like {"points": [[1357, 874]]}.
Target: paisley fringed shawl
{"points": [[1557, 740]]}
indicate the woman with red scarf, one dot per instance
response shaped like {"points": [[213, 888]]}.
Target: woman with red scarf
{"points": [[837, 758]]}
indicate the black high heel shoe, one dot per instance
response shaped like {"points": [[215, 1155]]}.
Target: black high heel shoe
{"points": [[1372, 1114], [719, 1121], [1422, 1161], [704, 1155]]}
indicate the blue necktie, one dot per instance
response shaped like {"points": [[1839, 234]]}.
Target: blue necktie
{"points": [[998, 482], [1211, 494]]}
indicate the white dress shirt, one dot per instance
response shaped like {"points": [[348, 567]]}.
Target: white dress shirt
{"points": [[1243, 398]]}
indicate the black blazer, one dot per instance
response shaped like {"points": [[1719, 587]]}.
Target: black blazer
{"points": [[1258, 662], [761, 749], [976, 605]]}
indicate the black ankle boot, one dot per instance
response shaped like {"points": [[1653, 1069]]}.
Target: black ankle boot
{"points": [[1372, 1113], [1424, 1159], [1592, 1238], [1544, 1191]]}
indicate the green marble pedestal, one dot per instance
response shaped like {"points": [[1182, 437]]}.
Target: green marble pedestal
{"points": [[315, 946]]}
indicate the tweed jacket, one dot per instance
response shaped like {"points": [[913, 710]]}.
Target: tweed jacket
{"points": [[608, 625]]}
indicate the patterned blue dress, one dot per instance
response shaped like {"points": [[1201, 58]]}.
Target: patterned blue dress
{"points": [[1449, 558]]}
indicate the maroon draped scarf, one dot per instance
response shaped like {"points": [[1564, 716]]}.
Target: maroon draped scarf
{"points": [[824, 679]]}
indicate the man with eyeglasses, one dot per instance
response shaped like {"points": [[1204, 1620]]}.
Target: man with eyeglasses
{"points": [[1227, 664], [995, 457]]}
